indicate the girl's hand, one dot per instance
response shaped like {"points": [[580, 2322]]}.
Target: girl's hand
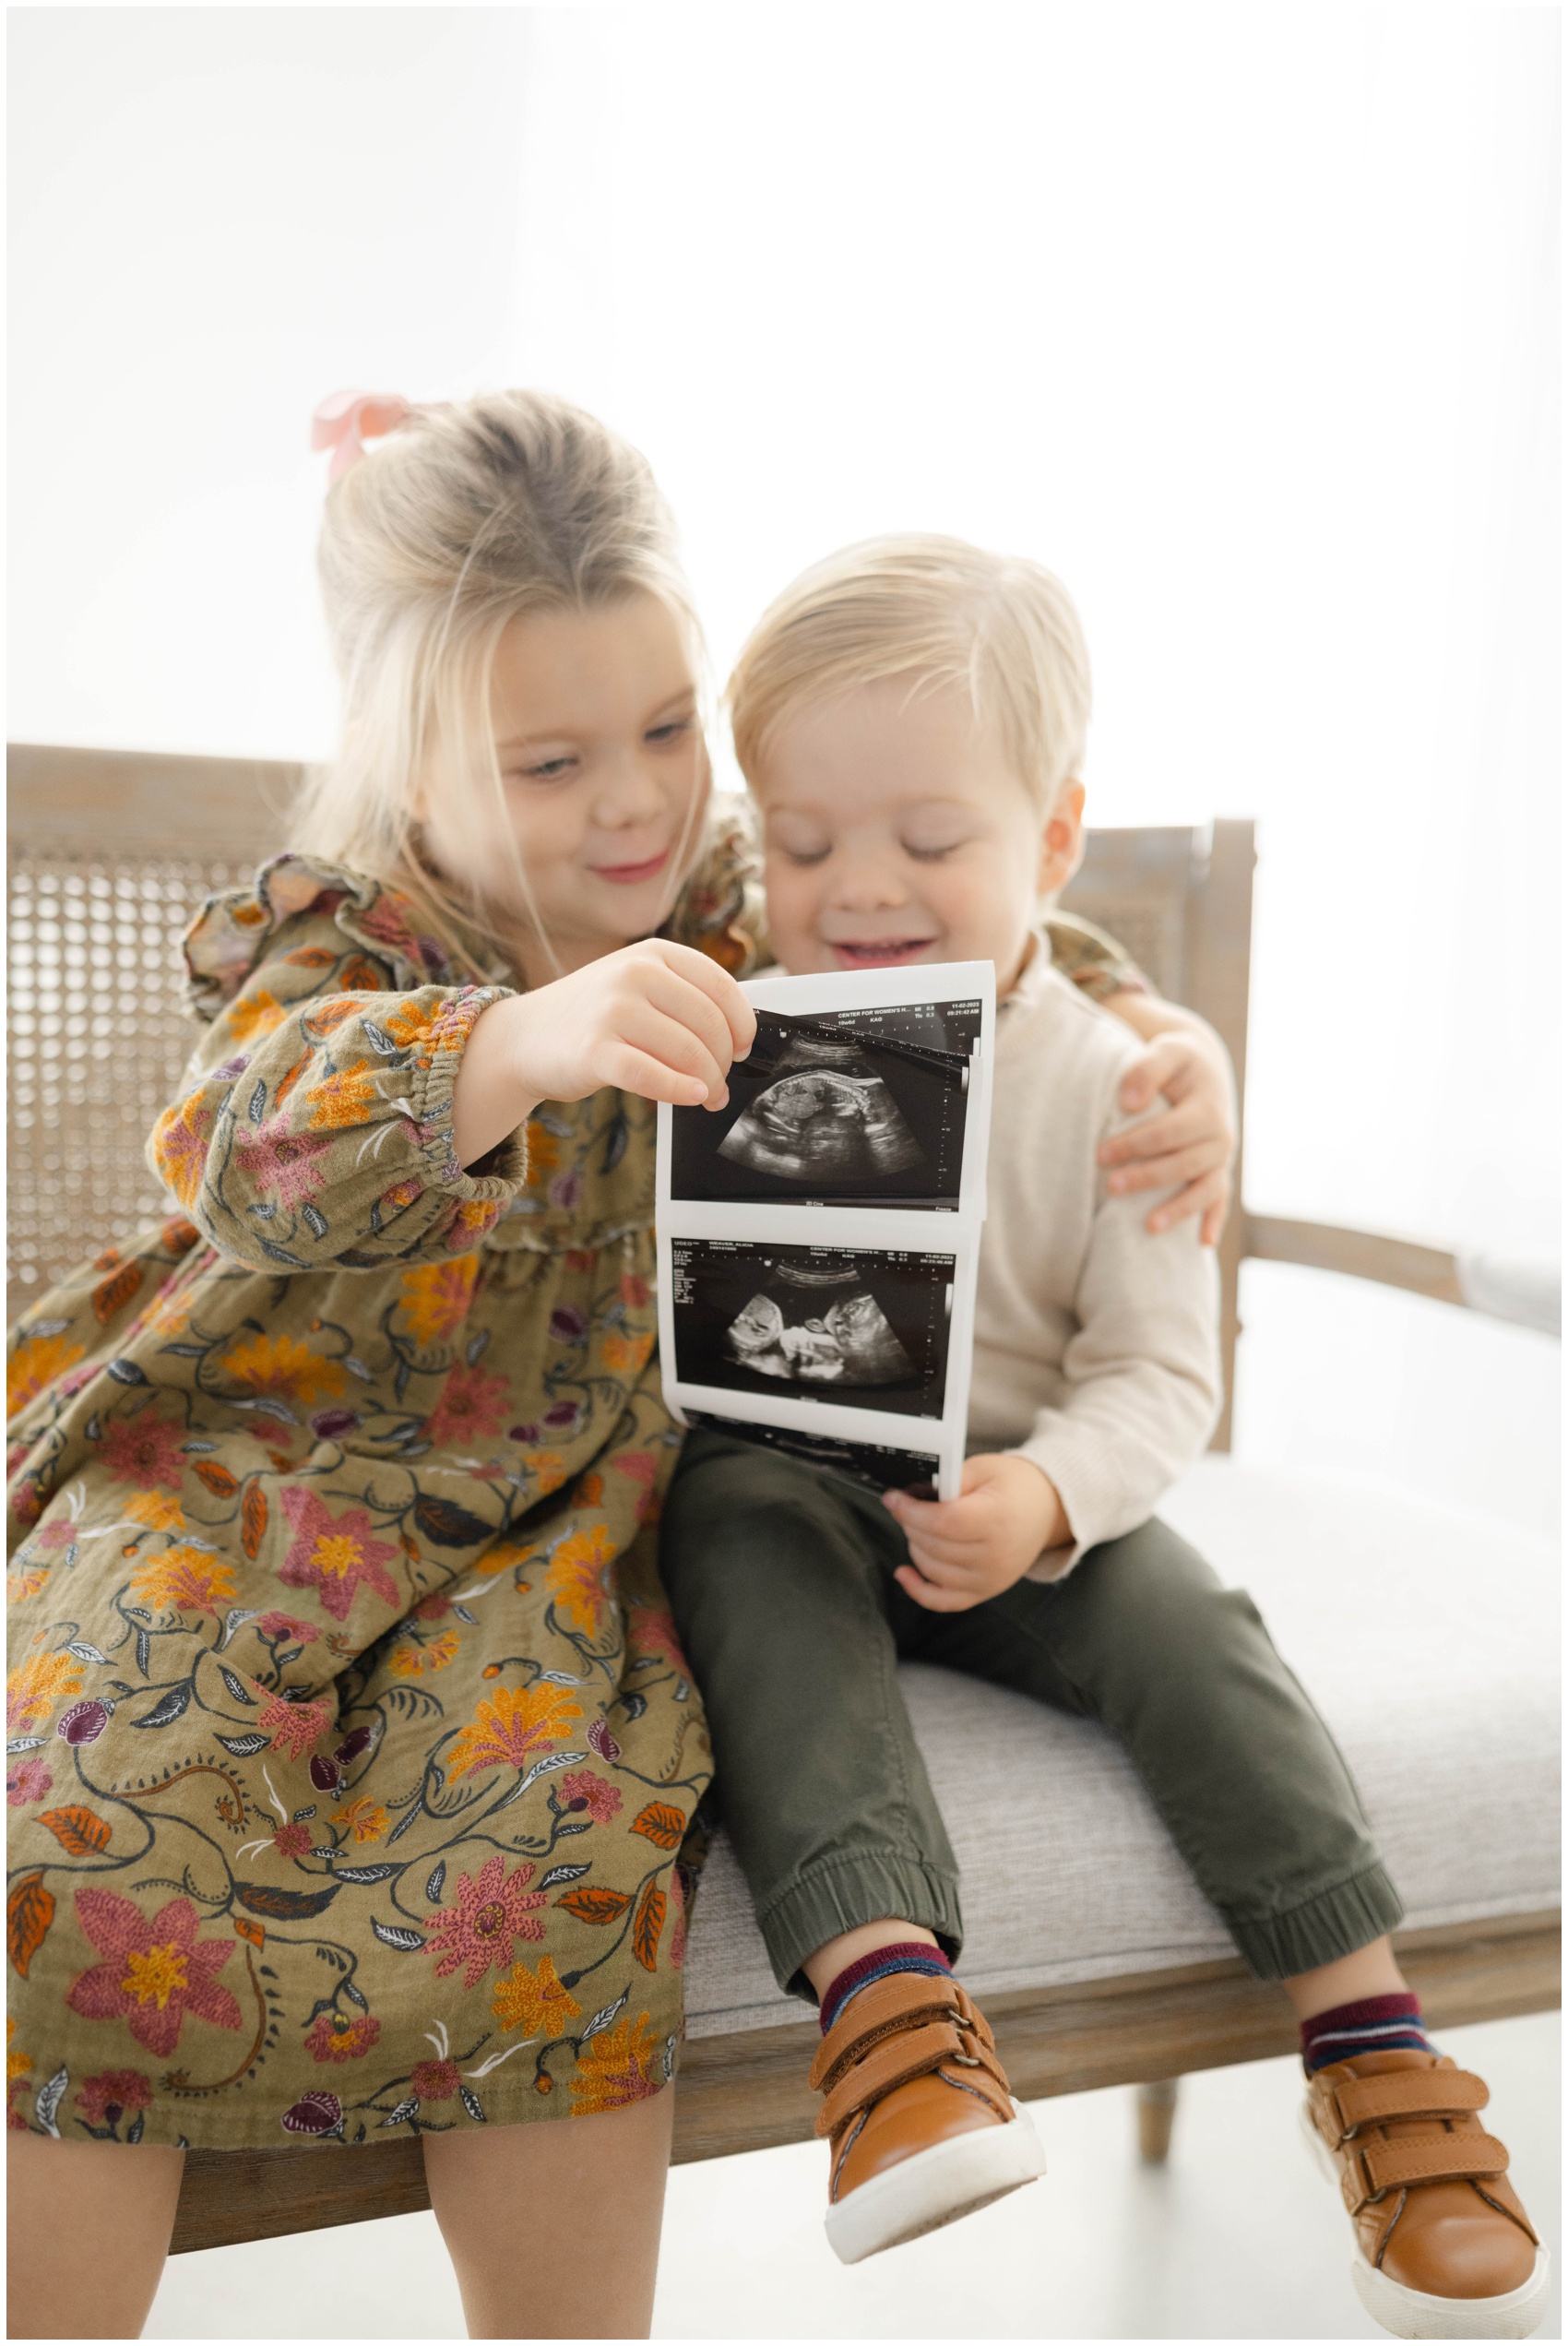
{"points": [[1192, 1143], [963, 1550], [655, 1018]]}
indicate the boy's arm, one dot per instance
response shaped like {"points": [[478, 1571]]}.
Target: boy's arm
{"points": [[1190, 1149]]}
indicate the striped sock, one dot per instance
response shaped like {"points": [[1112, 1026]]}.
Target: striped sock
{"points": [[1378, 2024], [909, 1955]]}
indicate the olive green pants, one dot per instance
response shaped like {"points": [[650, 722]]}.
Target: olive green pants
{"points": [[781, 1579]]}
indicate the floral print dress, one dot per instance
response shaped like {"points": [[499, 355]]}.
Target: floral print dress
{"points": [[351, 1757]]}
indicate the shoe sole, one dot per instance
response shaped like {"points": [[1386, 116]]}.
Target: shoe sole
{"points": [[1410, 2313], [933, 2188]]}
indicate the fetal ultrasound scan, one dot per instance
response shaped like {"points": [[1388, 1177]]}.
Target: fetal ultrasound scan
{"points": [[868, 1329], [864, 1107]]}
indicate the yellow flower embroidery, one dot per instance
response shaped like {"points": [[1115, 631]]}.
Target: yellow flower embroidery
{"points": [[577, 1575], [344, 1100], [185, 1580], [254, 1016], [283, 1364], [364, 1820], [543, 1153], [436, 1298], [625, 1356], [34, 1687], [26, 1581], [506, 1731], [504, 1554], [534, 2001], [35, 1365], [414, 1660], [158, 1509], [615, 2068]]}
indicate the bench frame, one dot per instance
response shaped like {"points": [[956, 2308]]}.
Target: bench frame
{"points": [[1180, 900]]}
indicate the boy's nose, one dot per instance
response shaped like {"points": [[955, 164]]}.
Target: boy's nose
{"points": [[866, 882]]}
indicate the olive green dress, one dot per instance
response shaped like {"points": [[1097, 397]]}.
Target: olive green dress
{"points": [[350, 1751]]}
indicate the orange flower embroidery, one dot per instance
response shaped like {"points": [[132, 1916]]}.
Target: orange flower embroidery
{"points": [[34, 1687], [344, 1100], [504, 1554], [625, 1356], [363, 1819], [414, 1660], [254, 1016], [159, 1510], [506, 1731], [544, 1154], [179, 1146]]}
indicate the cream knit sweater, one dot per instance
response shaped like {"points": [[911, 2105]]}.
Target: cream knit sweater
{"points": [[1097, 1349]]}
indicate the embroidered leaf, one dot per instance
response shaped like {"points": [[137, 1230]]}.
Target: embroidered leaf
{"points": [[284, 1906], [281, 1254], [663, 1824], [406, 1942], [244, 1747], [255, 1931], [475, 1347], [357, 1368], [446, 1525], [80, 1831], [472, 2104], [406, 2110], [604, 1743], [174, 1705], [599, 1906], [436, 1883], [253, 1518], [26, 1742], [144, 1651], [255, 1107], [615, 1142], [48, 2100], [545, 1767], [218, 1479], [633, 1707], [196, 1449], [601, 2021], [315, 1219], [30, 1909], [112, 1293], [84, 1652], [363, 1874], [125, 1373], [559, 1874], [648, 1926], [236, 1688], [135, 2130]]}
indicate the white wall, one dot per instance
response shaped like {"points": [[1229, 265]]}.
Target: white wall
{"points": [[1242, 318]]}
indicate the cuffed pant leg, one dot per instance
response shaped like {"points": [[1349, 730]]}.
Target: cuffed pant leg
{"points": [[1246, 1775], [775, 1574]]}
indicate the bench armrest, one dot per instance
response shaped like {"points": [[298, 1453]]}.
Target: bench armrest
{"points": [[1529, 1294]]}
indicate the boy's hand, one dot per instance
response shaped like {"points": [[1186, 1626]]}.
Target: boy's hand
{"points": [[968, 1549], [657, 1019], [1193, 1143]]}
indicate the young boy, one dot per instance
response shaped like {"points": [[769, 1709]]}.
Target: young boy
{"points": [[911, 716]]}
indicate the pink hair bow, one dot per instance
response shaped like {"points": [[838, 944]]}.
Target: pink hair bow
{"points": [[347, 419]]}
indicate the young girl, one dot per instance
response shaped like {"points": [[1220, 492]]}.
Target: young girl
{"points": [[352, 1754]]}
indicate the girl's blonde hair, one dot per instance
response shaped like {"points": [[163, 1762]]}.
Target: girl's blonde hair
{"points": [[465, 517], [940, 612]]}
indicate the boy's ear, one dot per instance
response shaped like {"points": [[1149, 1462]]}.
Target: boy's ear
{"points": [[1062, 849]]}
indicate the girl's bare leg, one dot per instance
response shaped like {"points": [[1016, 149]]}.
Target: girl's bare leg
{"points": [[553, 2229], [88, 2229]]}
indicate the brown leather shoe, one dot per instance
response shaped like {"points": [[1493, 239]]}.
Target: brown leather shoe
{"points": [[922, 2126], [1443, 2249]]}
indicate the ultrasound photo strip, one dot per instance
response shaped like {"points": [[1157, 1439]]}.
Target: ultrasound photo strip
{"points": [[818, 1237]]}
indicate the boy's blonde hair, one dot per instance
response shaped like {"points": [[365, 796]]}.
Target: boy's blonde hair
{"points": [[464, 518], [938, 610]]}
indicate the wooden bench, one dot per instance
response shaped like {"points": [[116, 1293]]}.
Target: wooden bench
{"points": [[110, 856]]}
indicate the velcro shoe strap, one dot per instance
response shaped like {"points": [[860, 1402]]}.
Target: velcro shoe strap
{"points": [[903, 2000], [1390, 2166], [912, 2053], [1407, 2093]]}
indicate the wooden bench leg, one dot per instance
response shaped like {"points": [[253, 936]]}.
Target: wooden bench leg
{"points": [[1156, 2114]]}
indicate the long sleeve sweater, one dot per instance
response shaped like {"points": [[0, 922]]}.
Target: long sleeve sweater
{"points": [[1096, 1345]]}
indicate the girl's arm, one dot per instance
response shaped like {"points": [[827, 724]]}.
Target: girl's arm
{"points": [[1192, 1148]]}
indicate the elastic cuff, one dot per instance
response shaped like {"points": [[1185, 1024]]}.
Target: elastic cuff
{"points": [[841, 1893], [438, 1057], [1337, 1923]]}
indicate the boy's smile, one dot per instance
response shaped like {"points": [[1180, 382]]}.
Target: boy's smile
{"points": [[896, 832]]}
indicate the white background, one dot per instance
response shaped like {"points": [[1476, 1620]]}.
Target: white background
{"points": [[1241, 317]]}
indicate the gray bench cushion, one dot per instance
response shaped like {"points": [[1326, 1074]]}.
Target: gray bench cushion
{"points": [[1427, 1637]]}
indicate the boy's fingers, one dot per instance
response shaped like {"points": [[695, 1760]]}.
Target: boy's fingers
{"points": [[933, 1598], [1209, 1196], [963, 1520], [1157, 1135], [1167, 1061], [1163, 1173]]}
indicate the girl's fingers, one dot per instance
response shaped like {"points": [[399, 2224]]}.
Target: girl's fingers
{"points": [[667, 991], [1209, 1196], [1196, 1119], [652, 1030], [961, 1522], [933, 1598], [630, 1070], [1168, 1061], [705, 976], [1163, 1173]]}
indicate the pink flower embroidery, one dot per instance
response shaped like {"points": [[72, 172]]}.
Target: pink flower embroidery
{"points": [[293, 1726], [29, 1781], [291, 1840], [281, 1626], [284, 1163], [651, 1630], [337, 2038], [583, 1789], [471, 1405], [103, 2101], [490, 1917], [335, 1553], [152, 1973], [435, 2080], [146, 1451]]}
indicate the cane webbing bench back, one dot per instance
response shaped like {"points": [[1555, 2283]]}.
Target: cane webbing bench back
{"points": [[113, 852]]}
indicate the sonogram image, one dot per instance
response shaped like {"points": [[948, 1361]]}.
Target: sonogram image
{"points": [[829, 1118], [867, 1328]]}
